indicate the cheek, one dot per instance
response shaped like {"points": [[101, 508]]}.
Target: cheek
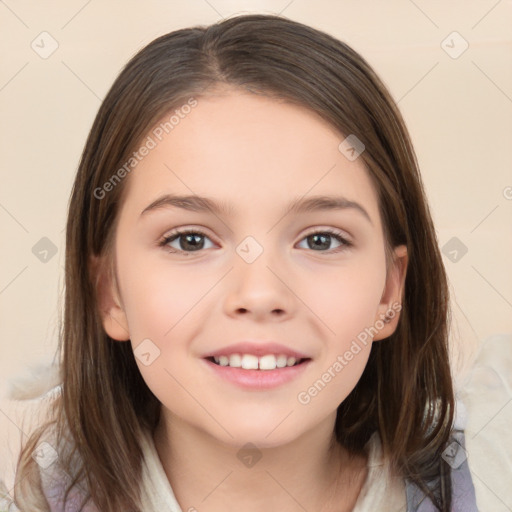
{"points": [[159, 297], [163, 305], [166, 305], [346, 299], [347, 307]]}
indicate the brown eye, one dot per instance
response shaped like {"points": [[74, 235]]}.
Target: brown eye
{"points": [[187, 241], [320, 240]]}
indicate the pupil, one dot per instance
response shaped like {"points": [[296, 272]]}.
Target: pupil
{"points": [[316, 237], [191, 239]]}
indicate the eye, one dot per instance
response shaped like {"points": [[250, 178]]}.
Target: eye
{"points": [[188, 241], [321, 239], [193, 241]]}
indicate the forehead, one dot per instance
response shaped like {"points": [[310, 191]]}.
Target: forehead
{"points": [[248, 151]]}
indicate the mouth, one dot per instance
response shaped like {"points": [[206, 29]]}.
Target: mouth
{"points": [[267, 362], [257, 365], [253, 373]]}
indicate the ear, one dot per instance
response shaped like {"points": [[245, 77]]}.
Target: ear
{"points": [[390, 305], [109, 304]]}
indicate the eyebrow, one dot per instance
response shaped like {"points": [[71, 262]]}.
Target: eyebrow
{"points": [[195, 203]]}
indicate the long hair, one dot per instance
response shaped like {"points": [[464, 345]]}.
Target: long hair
{"points": [[405, 392]]}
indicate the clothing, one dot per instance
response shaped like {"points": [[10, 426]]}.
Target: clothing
{"points": [[463, 490], [381, 491]]}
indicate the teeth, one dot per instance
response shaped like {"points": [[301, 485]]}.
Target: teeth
{"points": [[251, 362], [268, 362], [281, 361], [235, 361]]}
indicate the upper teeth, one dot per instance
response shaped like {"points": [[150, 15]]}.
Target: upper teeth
{"points": [[251, 362]]}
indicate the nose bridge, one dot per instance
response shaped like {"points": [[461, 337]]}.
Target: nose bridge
{"points": [[257, 283]]}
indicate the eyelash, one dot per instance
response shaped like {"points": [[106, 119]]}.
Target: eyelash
{"points": [[345, 244]]}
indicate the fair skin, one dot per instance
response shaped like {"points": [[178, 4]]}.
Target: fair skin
{"points": [[255, 154]]}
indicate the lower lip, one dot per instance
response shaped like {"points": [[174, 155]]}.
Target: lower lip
{"points": [[258, 379]]}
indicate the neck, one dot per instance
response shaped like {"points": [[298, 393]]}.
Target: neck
{"points": [[308, 473]]}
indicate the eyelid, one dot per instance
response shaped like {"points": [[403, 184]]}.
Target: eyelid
{"points": [[342, 238], [309, 231], [180, 231], [331, 230]]}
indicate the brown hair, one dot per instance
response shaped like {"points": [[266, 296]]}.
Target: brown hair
{"points": [[405, 392]]}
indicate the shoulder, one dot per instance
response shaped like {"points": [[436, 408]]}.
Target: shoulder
{"points": [[54, 485], [56, 480], [382, 490], [156, 491], [463, 490]]}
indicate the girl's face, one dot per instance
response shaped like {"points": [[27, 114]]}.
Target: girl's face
{"points": [[252, 270]]}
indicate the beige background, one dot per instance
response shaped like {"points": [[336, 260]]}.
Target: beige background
{"points": [[458, 109]]}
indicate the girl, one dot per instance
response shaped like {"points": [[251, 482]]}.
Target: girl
{"points": [[256, 309]]}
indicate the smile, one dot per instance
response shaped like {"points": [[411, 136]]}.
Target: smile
{"points": [[252, 362], [256, 373]]}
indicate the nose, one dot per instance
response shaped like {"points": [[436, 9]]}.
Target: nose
{"points": [[260, 289]]}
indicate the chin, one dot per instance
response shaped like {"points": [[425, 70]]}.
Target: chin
{"points": [[262, 433]]}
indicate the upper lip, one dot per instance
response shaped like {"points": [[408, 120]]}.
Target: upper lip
{"points": [[258, 349]]}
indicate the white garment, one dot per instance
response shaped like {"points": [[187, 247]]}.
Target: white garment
{"points": [[379, 492]]}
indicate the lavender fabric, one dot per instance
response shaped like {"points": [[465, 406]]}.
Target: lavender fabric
{"points": [[463, 490], [54, 487]]}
